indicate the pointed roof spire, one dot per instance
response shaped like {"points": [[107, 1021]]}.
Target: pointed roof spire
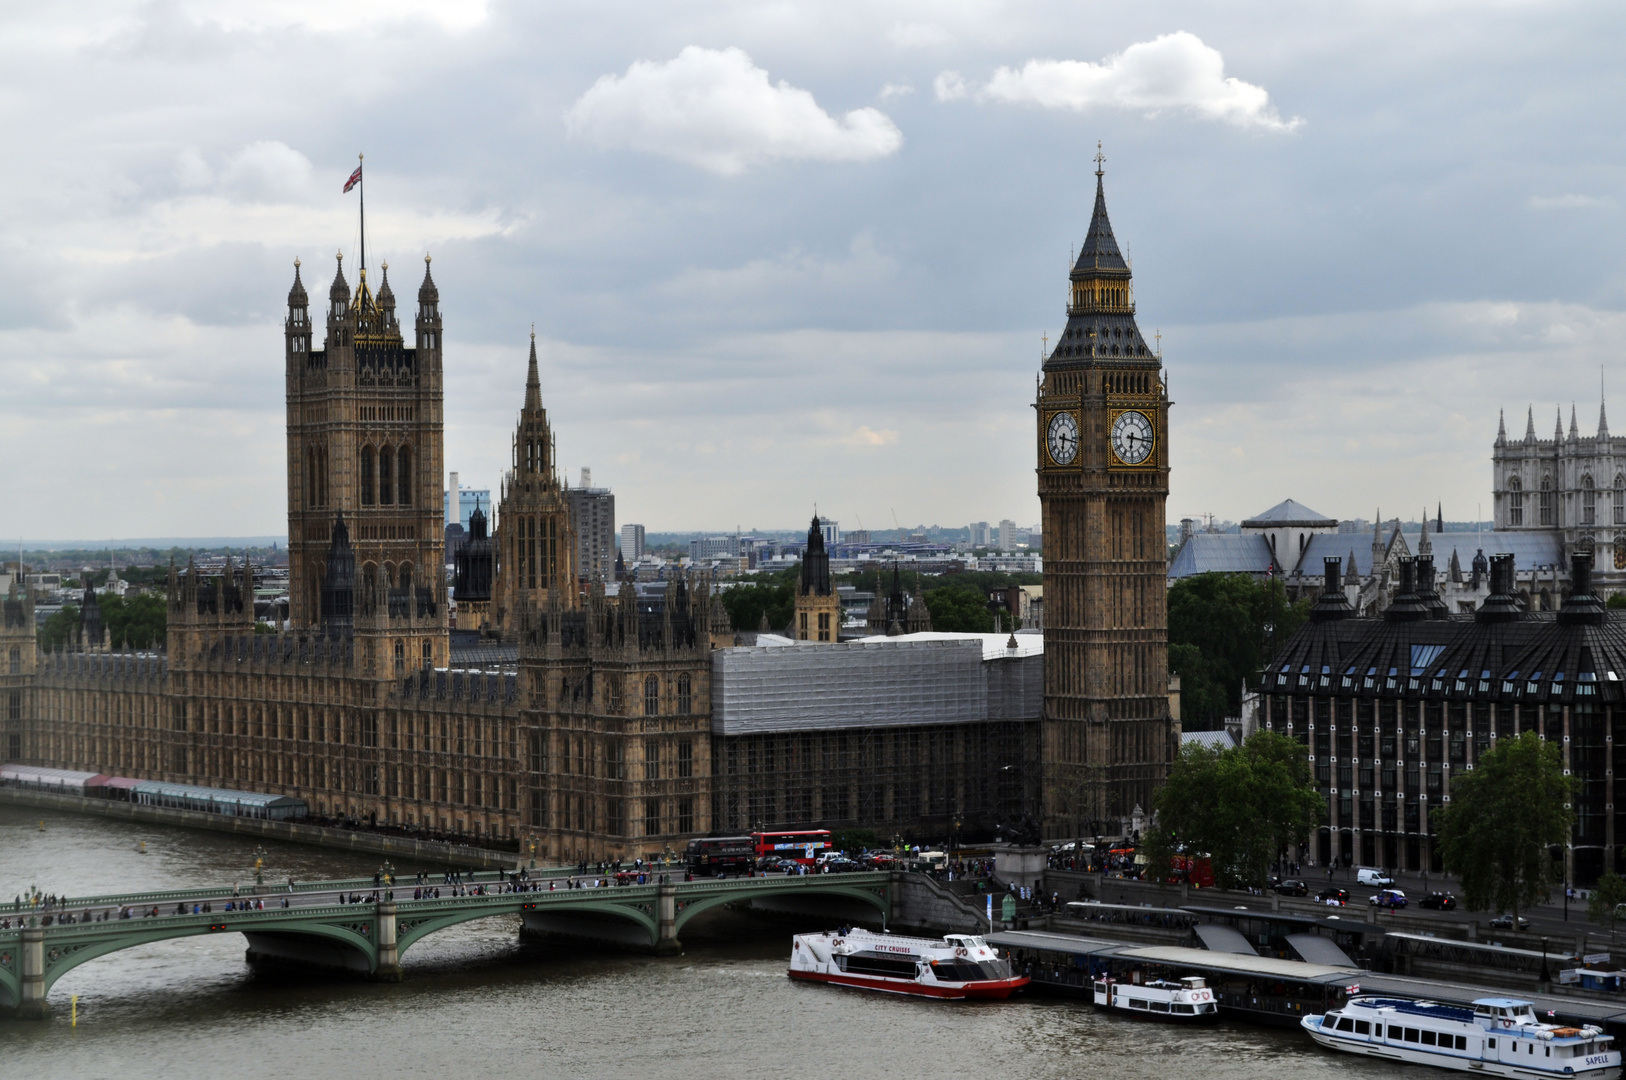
{"points": [[1439, 517], [1530, 424], [1423, 545], [1603, 421], [1558, 423], [296, 295], [386, 295], [1575, 432], [533, 381], [1501, 427], [340, 292], [1351, 575], [427, 293], [1100, 250]]}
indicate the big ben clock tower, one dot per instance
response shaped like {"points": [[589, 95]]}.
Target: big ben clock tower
{"points": [[1102, 414]]}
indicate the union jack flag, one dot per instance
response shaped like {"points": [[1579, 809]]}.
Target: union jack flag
{"points": [[355, 178]]}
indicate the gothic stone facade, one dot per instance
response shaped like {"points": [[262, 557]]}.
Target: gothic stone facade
{"points": [[596, 744]]}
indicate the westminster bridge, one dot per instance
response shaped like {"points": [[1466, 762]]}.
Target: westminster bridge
{"points": [[364, 925]]}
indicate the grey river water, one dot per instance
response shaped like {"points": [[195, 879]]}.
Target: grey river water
{"points": [[477, 1003]]}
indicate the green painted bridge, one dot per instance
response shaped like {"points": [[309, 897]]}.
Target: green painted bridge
{"points": [[318, 929]]}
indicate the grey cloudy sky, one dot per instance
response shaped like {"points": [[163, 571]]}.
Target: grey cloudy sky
{"points": [[787, 253]]}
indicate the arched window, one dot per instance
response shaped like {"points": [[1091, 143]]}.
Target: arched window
{"points": [[16, 661], [400, 655], [1546, 501], [1515, 502], [403, 478], [652, 696], [685, 697], [1620, 498], [366, 476], [386, 487], [1589, 501], [406, 577]]}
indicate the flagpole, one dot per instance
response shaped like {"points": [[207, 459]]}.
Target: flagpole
{"points": [[362, 183]]}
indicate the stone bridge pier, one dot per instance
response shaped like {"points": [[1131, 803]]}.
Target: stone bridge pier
{"points": [[32, 1003]]}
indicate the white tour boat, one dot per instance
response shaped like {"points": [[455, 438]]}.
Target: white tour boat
{"points": [[1497, 1036], [1187, 1001], [955, 966]]}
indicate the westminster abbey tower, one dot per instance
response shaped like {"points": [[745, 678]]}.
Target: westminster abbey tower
{"points": [[1103, 470]]}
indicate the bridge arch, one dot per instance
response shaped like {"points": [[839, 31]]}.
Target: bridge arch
{"points": [[62, 956], [840, 889]]}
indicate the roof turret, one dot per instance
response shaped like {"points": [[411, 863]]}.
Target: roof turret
{"points": [[386, 295], [340, 292], [1530, 425], [1100, 250], [427, 293], [297, 297]]}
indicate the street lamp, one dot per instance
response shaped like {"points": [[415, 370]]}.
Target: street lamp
{"points": [[259, 864]]}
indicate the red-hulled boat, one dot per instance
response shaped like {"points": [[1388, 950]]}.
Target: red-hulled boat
{"points": [[956, 966]]}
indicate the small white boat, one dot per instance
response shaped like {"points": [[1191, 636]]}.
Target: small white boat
{"points": [[955, 966], [1496, 1036], [1188, 1001]]}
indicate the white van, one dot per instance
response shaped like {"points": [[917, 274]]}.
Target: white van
{"points": [[1366, 875]]}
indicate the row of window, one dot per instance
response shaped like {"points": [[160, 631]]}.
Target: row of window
{"points": [[1546, 507]]}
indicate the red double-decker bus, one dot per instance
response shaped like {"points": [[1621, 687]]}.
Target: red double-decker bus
{"points": [[805, 846]]}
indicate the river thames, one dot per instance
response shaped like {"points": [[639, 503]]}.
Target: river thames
{"points": [[477, 1002]]}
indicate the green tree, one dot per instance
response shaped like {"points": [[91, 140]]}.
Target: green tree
{"points": [[960, 609], [773, 593], [60, 629], [1604, 902], [1243, 807], [141, 620], [1219, 639], [1503, 818]]}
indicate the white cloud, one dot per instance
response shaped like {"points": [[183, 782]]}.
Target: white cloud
{"points": [[892, 90], [918, 35], [1571, 202], [1175, 71], [268, 172], [950, 86], [864, 435], [716, 109]]}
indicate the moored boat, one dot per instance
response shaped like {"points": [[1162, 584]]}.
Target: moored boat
{"points": [[954, 967], [1186, 1001], [1496, 1036]]}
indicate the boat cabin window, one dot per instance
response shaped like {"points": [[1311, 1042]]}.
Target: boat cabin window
{"points": [[1346, 1024], [1160, 1006], [1362, 1027], [1410, 1034], [1185, 1010], [1137, 1003], [1100, 988], [1192, 982], [1491, 1043], [1428, 1038]]}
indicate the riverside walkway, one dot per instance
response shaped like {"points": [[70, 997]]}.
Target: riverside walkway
{"points": [[364, 925]]}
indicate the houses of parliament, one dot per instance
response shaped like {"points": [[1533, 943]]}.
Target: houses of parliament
{"points": [[601, 733]]}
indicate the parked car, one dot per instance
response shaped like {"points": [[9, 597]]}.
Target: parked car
{"points": [[1333, 896], [1367, 875], [838, 866], [1393, 899], [1293, 887], [1505, 922], [1438, 901]]}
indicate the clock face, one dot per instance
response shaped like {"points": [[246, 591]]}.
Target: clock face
{"points": [[1062, 438], [1132, 437]]}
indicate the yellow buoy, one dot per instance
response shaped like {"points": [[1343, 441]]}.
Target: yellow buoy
{"points": [[75, 1011]]}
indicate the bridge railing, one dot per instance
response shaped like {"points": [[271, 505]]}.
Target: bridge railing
{"points": [[270, 890]]}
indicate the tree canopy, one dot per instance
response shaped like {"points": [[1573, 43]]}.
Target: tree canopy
{"points": [[141, 620], [1504, 817], [774, 593], [961, 609], [1218, 638], [60, 629], [1243, 807]]}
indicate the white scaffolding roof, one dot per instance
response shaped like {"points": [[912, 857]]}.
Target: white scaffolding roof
{"points": [[913, 679]]}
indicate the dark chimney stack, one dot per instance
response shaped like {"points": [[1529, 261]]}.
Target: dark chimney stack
{"points": [[1583, 605], [1501, 605], [1406, 606], [1332, 603]]}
